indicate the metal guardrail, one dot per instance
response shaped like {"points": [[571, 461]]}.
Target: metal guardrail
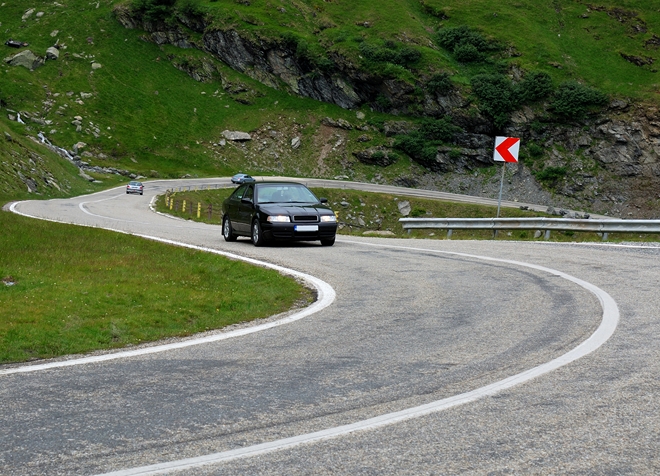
{"points": [[533, 223]]}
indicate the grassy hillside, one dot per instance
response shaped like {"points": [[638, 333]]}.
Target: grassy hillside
{"points": [[139, 112]]}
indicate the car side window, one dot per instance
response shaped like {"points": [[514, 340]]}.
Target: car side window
{"points": [[239, 192], [249, 193]]}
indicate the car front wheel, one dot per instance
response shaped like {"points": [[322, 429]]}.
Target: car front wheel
{"points": [[257, 234], [227, 230]]}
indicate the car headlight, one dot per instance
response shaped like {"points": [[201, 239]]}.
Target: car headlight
{"points": [[278, 219], [328, 218]]}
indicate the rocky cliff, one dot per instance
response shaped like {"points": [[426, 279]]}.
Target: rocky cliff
{"points": [[608, 162]]}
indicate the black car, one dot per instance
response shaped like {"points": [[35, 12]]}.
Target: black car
{"points": [[267, 211]]}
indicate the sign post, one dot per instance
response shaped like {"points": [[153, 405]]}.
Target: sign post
{"points": [[506, 150]]}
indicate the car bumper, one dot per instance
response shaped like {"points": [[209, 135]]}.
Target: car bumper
{"points": [[299, 231]]}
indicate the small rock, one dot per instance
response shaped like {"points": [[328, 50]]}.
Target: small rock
{"points": [[236, 136], [27, 14], [360, 115], [295, 142], [96, 66], [52, 53], [404, 207]]}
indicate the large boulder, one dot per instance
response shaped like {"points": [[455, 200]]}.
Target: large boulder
{"points": [[25, 58]]}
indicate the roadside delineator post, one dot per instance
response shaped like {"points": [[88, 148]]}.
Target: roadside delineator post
{"points": [[506, 150]]}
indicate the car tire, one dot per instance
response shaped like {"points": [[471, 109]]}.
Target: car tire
{"points": [[227, 230], [257, 234], [328, 242]]}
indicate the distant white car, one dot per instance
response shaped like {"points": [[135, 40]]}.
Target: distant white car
{"points": [[135, 187], [242, 178]]}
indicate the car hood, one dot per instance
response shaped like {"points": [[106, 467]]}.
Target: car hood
{"points": [[295, 208]]}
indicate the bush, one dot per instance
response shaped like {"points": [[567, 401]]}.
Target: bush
{"points": [[535, 150], [416, 146], [450, 38], [550, 175], [496, 96], [391, 53], [535, 86], [191, 8], [467, 53], [154, 10], [438, 130], [440, 83], [574, 100], [417, 212]]}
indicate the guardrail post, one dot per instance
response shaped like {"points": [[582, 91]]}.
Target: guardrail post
{"points": [[210, 211], [199, 209], [449, 231], [183, 208], [547, 235], [605, 236]]}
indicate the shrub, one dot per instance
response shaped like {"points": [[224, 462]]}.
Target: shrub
{"points": [[417, 212], [391, 53], [550, 175], [450, 38], [535, 150], [535, 86], [191, 8], [435, 130], [440, 83], [496, 96], [467, 53], [416, 146], [573, 100], [154, 10]]}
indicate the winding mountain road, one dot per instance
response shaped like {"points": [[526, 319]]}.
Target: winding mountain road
{"points": [[433, 357]]}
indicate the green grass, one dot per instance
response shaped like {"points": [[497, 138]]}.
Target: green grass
{"points": [[68, 297], [380, 213], [155, 120], [366, 213]]}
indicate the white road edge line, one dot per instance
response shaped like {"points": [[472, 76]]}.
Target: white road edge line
{"points": [[326, 296], [605, 330]]}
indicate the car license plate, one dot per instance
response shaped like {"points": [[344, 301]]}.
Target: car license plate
{"points": [[306, 228]]}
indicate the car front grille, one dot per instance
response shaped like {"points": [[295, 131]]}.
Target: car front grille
{"points": [[305, 218]]}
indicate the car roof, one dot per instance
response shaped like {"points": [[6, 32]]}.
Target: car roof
{"points": [[275, 182]]}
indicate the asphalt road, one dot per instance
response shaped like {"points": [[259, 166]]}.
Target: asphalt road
{"points": [[414, 322]]}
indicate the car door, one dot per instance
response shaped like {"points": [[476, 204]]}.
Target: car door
{"points": [[245, 209], [232, 205]]}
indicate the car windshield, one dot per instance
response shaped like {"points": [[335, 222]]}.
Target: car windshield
{"points": [[278, 193]]}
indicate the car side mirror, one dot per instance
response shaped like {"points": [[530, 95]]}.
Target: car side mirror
{"points": [[323, 200], [246, 200]]}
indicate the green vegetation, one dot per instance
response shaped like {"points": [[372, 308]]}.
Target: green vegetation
{"points": [[365, 213], [142, 111], [141, 290]]}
